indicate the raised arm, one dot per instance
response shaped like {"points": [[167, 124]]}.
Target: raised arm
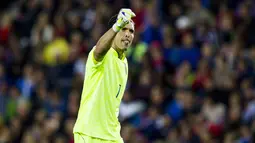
{"points": [[105, 42]]}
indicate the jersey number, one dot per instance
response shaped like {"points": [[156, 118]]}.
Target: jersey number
{"points": [[118, 91]]}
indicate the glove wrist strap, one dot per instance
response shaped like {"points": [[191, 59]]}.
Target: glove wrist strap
{"points": [[116, 28]]}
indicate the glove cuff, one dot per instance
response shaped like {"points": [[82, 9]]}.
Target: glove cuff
{"points": [[116, 28]]}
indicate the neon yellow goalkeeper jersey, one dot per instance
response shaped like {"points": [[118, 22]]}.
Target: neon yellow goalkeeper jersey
{"points": [[103, 88]]}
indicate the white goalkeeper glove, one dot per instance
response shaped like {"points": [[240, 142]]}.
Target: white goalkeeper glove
{"points": [[123, 19]]}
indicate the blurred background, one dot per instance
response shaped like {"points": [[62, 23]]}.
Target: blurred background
{"points": [[191, 69]]}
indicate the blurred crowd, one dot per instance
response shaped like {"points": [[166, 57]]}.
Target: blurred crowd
{"points": [[191, 69]]}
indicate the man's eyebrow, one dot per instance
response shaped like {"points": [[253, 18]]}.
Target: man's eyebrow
{"points": [[130, 29]]}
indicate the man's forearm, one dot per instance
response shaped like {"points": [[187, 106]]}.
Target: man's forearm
{"points": [[104, 44]]}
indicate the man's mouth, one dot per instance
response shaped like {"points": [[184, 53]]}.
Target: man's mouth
{"points": [[126, 42]]}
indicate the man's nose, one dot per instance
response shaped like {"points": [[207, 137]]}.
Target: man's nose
{"points": [[127, 35]]}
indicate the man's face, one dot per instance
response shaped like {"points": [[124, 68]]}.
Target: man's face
{"points": [[124, 37]]}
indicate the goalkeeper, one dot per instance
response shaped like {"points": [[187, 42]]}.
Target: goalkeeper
{"points": [[104, 85]]}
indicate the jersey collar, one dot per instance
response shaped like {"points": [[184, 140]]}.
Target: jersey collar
{"points": [[117, 55]]}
